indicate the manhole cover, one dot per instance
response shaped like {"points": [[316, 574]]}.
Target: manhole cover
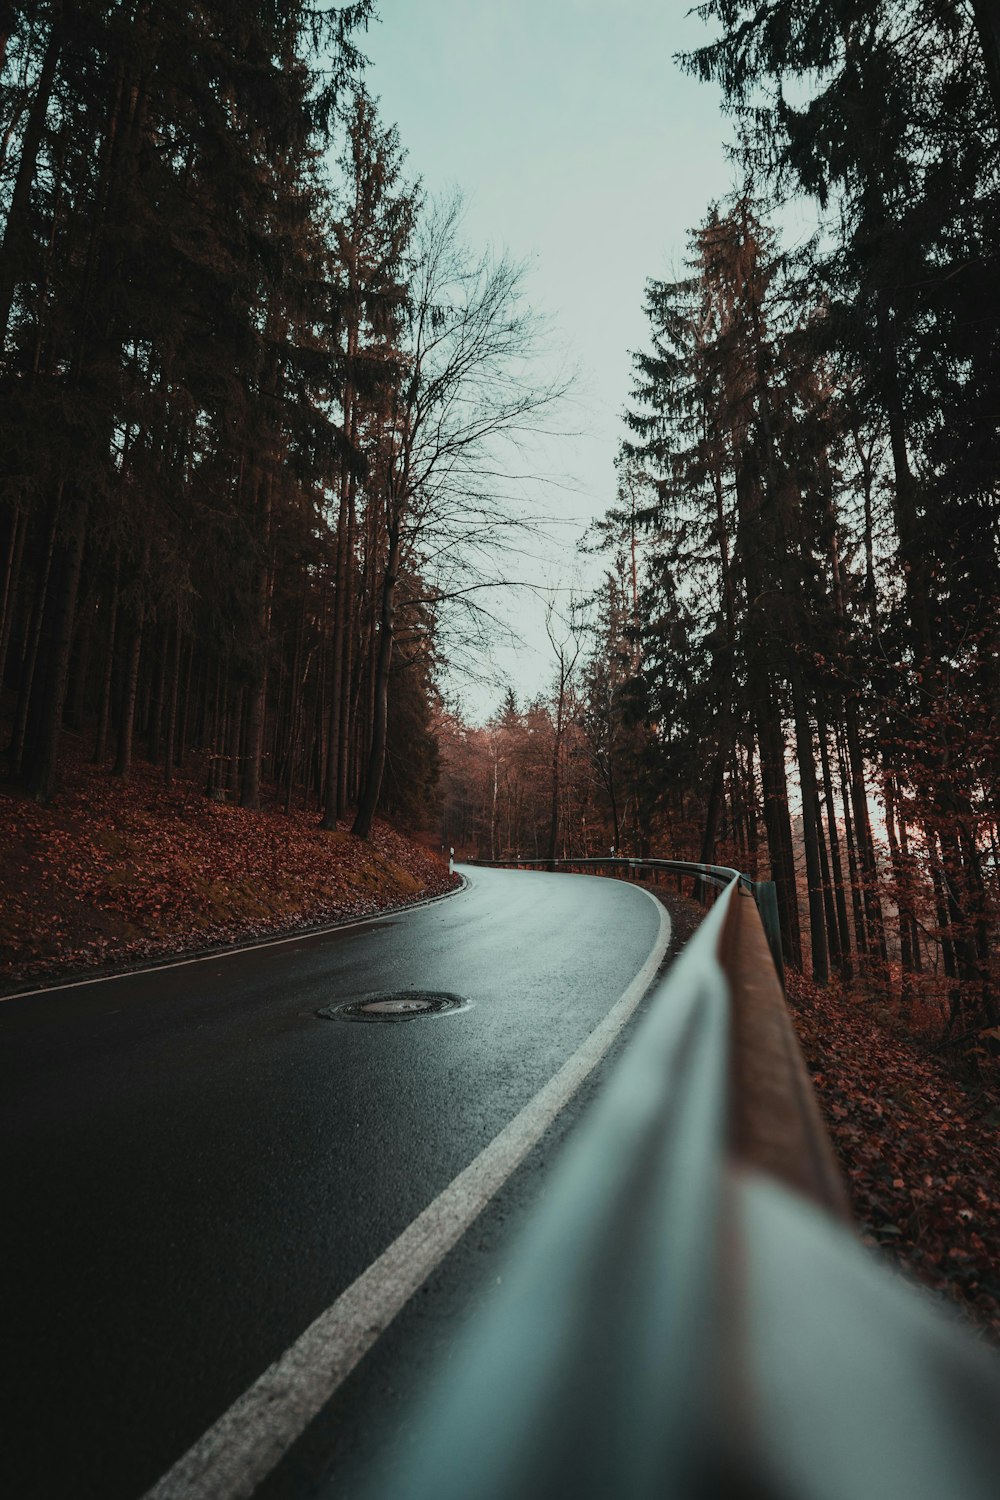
{"points": [[398, 1005]]}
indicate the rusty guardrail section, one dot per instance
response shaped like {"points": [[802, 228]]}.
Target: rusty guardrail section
{"points": [[689, 1314]]}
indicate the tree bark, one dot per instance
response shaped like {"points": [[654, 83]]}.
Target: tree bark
{"points": [[376, 757], [553, 838], [154, 717], [810, 833], [186, 709], [988, 26], [348, 699], [777, 824], [12, 569], [874, 921], [829, 903], [104, 708], [130, 686], [32, 644], [902, 894], [857, 903], [173, 687], [836, 865], [337, 686], [49, 688], [908, 866]]}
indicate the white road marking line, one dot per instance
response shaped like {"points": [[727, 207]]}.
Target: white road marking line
{"points": [[250, 947], [236, 1454]]}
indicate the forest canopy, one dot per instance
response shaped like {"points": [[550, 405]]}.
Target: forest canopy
{"points": [[792, 665], [252, 382]]}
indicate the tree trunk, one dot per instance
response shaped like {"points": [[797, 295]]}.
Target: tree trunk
{"points": [[829, 902], [185, 711], [32, 645], [837, 869], [130, 686], [715, 795], [214, 733], [172, 694], [8, 592], [988, 26], [376, 757], [912, 548], [76, 706], [337, 685], [863, 831], [908, 866], [104, 708], [944, 925], [977, 919], [554, 790], [902, 894], [257, 691], [777, 823], [857, 904], [810, 833], [50, 684], [254, 744], [344, 751], [234, 743], [615, 824], [154, 717]]}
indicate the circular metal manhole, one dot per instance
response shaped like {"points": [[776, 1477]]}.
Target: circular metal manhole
{"points": [[394, 1005]]}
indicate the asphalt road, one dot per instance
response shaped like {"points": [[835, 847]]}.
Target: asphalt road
{"points": [[195, 1165]]}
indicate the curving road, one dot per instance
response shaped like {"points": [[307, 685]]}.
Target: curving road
{"points": [[197, 1166]]}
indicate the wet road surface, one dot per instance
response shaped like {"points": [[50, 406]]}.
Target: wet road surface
{"points": [[196, 1165]]}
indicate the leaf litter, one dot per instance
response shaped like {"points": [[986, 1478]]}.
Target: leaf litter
{"points": [[116, 873]]}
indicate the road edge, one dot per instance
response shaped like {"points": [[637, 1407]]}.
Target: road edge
{"points": [[248, 1440], [229, 950]]}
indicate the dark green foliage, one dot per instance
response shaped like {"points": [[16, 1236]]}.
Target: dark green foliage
{"points": [[176, 285], [816, 438]]}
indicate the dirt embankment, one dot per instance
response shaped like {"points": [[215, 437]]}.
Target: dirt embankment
{"points": [[116, 873]]}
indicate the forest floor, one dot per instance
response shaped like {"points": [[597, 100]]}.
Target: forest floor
{"points": [[915, 1135], [118, 873]]}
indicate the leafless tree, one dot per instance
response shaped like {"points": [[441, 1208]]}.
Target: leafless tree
{"points": [[564, 639], [471, 388]]}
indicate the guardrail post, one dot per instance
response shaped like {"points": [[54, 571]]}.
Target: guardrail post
{"points": [[766, 895]]}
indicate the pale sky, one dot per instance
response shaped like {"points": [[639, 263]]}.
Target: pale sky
{"points": [[582, 147]]}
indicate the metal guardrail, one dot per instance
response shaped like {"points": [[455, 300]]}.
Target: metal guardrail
{"points": [[764, 891], [689, 1314], [718, 875]]}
